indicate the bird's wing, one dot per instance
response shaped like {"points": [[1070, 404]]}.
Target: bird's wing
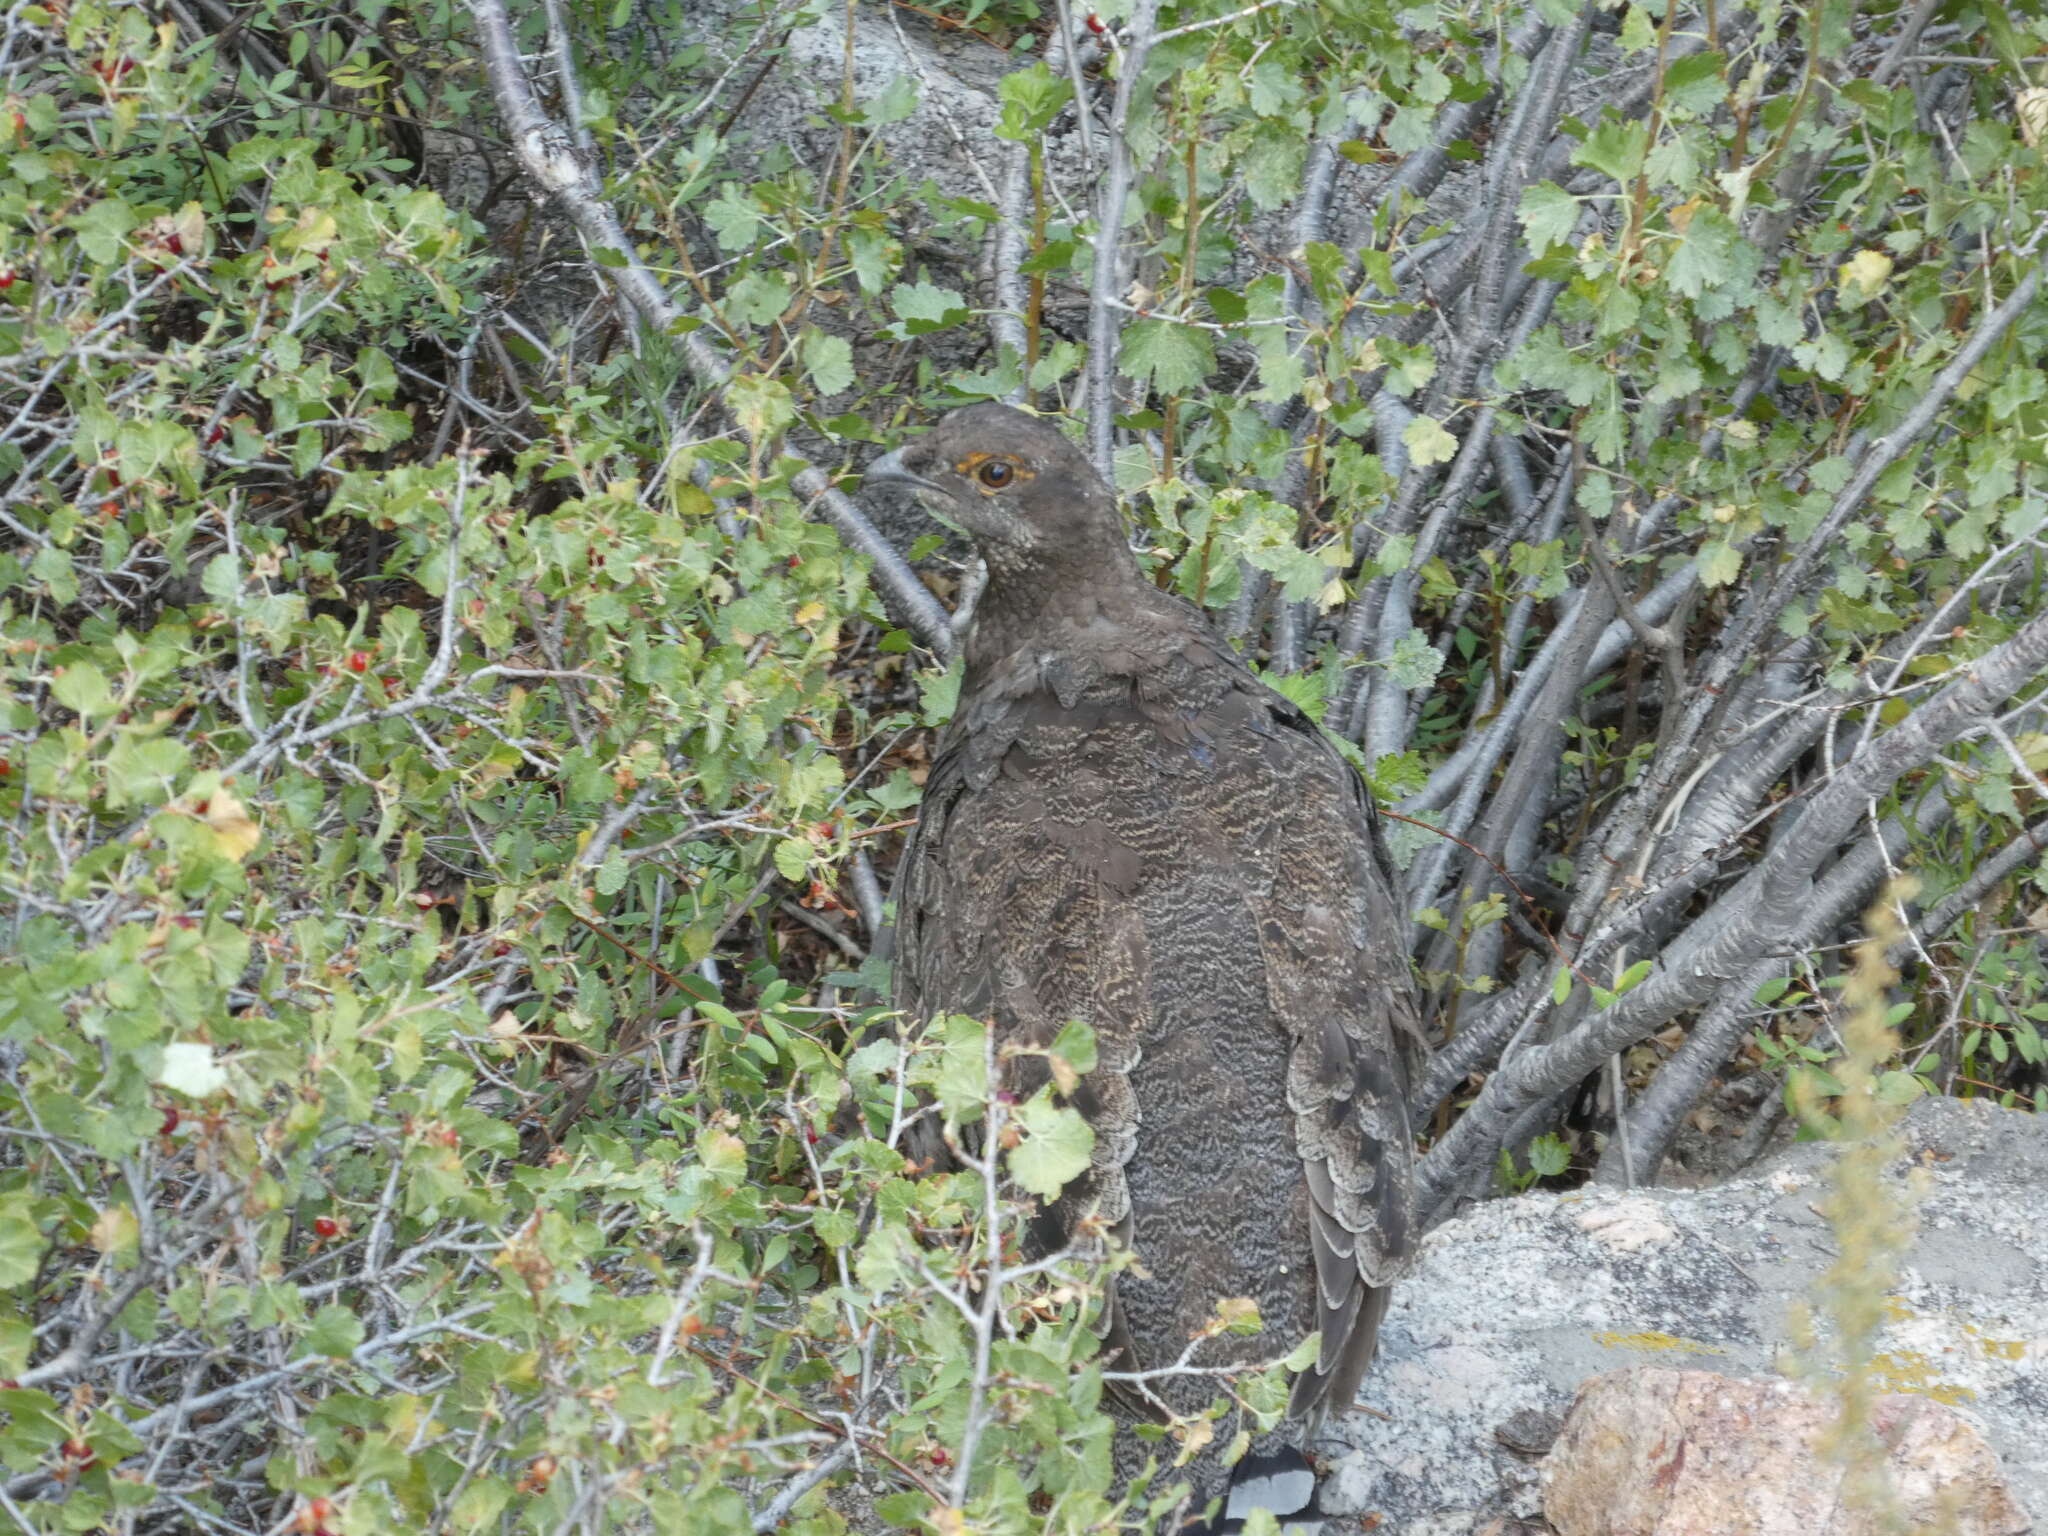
{"points": [[1013, 905], [1338, 982]]}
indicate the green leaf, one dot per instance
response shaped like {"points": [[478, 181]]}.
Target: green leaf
{"points": [[101, 229], [839, 1228], [1631, 978], [792, 858], [923, 307], [1549, 214], [757, 298], [144, 769], [1031, 99], [829, 361], [1549, 1156], [1173, 358], [1227, 305], [1307, 691], [762, 404], [1826, 354], [1693, 84], [1427, 442], [1056, 1148], [1561, 988], [960, 1081], [1280, 366], [1898, 1088], [1616, 148], [336, 1332], [1075, 1045], [938, 693], [1719, 564], [82, 688], [1415, 663], [896, 103], [1705, 257], [907, 1509], [21, 1242], [732, 218]]}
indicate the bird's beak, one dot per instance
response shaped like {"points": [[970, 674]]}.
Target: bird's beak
{"points": [[890, 469]]}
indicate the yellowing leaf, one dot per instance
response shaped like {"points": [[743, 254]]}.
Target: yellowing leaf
{"points": [[189, 1068], [1863, 275], [2031, 107], [1719, 564], [116, 1230], [1427, 441], [234, 833], [1195, 1439], [1235, 1314], [314, 231]]}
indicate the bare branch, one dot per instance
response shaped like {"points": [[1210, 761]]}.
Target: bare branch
{"points": [[1756, 918], [551, 158]]}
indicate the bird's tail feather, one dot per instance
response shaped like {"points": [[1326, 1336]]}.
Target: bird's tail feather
{"points": [[1279, 1480]]}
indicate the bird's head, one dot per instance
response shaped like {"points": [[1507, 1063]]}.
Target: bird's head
{"points": [[1027, 496]]}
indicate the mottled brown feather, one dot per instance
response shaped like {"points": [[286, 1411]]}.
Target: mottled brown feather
{"points": [[1123, 825]]}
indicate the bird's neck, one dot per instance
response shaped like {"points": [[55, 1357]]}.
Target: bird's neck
{"points": [[1096, 618]]}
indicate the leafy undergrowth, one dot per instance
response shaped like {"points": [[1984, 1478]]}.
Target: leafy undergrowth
{"points": [[440, 763], [415, 1111]]}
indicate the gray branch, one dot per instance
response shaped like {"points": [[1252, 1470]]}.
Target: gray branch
{"points": [[550, 157]]}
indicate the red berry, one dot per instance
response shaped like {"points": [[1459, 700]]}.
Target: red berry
{"points": [[359, 661], [170, 1122], [326, 1226], [1096, 25], [77, 1450], [6, 280], [216, 435]]}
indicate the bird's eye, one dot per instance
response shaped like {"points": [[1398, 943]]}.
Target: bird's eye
{"points": [[995, 474]]}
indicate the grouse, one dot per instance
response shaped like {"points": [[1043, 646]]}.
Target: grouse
{"points": [[1123, 825]]}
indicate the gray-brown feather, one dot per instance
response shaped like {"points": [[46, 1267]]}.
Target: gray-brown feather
{"points": [[1122, 825]]}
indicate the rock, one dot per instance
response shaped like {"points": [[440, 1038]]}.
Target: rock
{"points": [[1651, 1452], [1515, 1303]]}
